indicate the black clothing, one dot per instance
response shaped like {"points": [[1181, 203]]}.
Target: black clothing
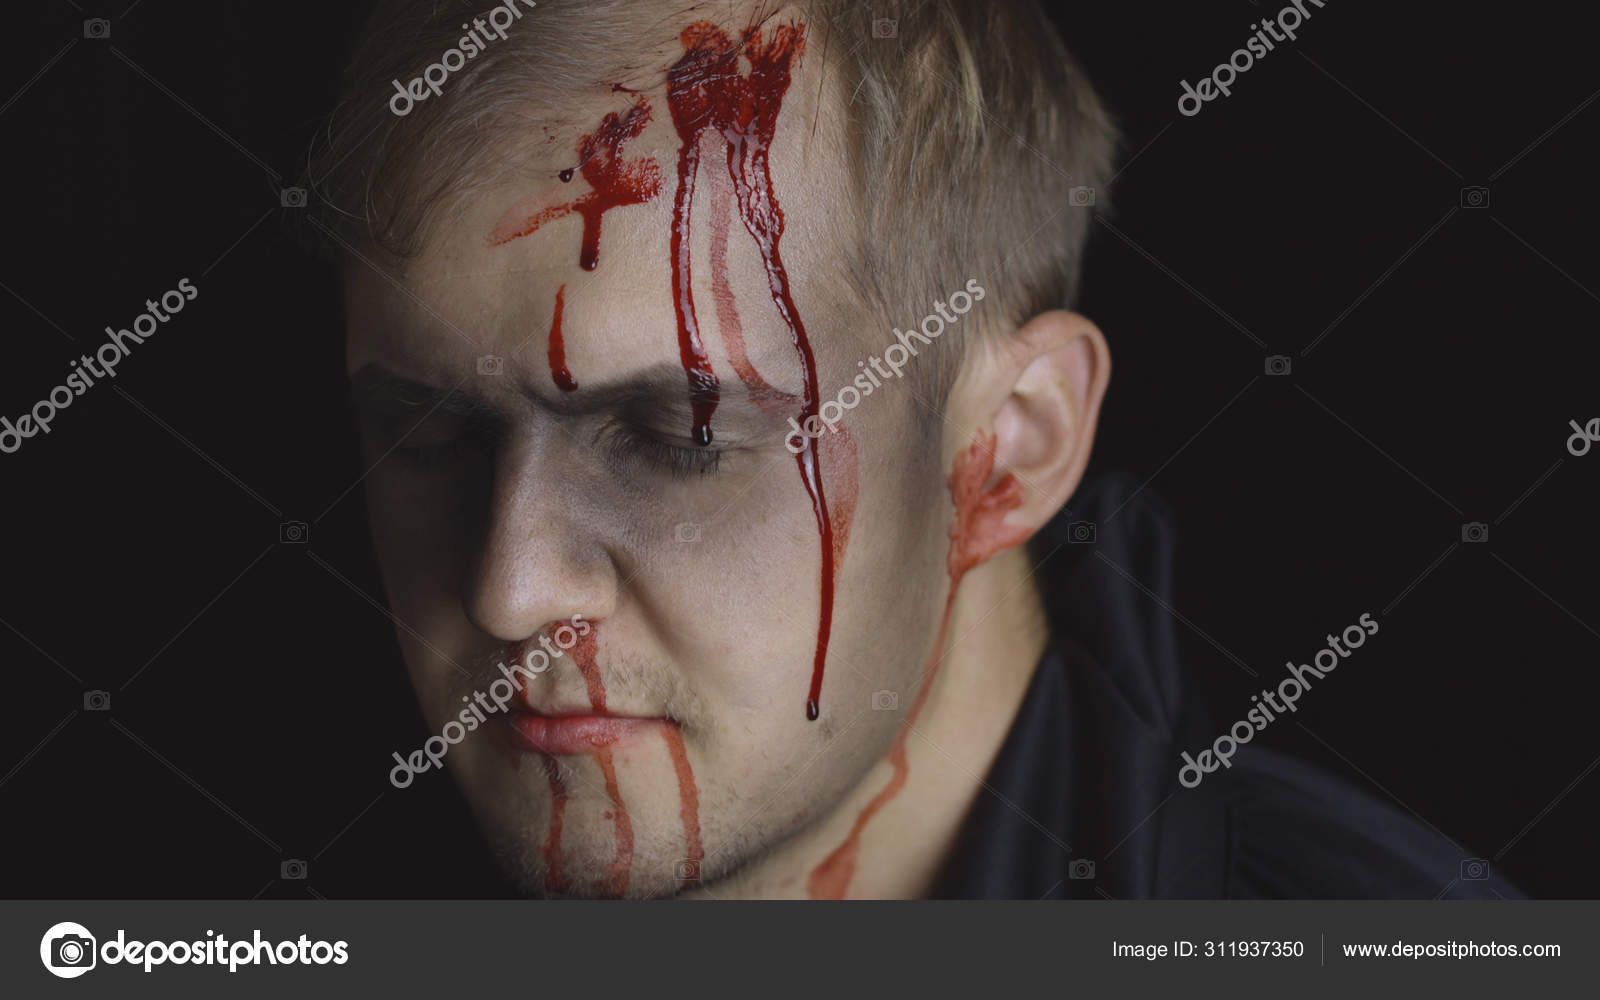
{"points": [[1087, 780]]}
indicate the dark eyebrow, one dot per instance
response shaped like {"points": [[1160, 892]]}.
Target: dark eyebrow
{"points": [[374, 384], [662, 387]]}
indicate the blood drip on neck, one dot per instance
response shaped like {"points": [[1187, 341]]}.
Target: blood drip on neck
{"points": [[978, 533]]}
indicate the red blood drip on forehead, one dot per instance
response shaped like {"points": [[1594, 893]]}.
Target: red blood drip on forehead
{"points": [[614, 181], [707, 92], [760, 390], [558, 349], [691, 120]]}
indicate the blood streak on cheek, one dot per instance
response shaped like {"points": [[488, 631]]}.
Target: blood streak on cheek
{"points": [[844, 488], [614, 182], [558, 348], [978, 533]]}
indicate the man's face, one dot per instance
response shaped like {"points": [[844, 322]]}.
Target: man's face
{"points": [[505, 502]]}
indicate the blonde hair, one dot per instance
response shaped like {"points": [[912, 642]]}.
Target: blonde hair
{"points": [[977, 146]]}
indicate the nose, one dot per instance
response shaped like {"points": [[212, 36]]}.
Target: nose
{"points": [[537, 560]]}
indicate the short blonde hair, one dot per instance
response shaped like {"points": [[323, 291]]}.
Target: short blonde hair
{"points": [[978, 147]]}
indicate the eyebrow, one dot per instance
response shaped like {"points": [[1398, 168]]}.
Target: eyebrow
{"points": [[662, 387], [374, 383]]}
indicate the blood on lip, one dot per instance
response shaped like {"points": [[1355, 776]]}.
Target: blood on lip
{"points": [[598, 734]]}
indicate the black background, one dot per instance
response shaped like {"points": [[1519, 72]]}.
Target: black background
{"points": [[1438, 353]]}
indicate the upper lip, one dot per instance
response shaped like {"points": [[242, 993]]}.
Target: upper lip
{"points": [[583, 711]]}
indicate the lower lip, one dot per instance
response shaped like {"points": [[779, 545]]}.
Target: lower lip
{"points": [[576, 734]]}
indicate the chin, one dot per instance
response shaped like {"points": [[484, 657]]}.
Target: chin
{"points": [[587, 870]]}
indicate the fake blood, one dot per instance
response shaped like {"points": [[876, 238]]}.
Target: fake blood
{"points": [[707, 93], [688, 803], [622, 865], [553, 879], [558, 349], [583, 653], [613, 181], [691, 115], [722, 294], [979, 532], [708, 96]]}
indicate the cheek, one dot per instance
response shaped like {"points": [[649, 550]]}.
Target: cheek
{"points": [[892, 581], [727, 583]]}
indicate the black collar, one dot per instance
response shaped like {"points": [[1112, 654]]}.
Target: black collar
{"points": [[1087, 778]]}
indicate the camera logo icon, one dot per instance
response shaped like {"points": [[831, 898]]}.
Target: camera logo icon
{"points": [[1081, 868], [686, 531], [97, 27], [490, 364], [67, 950], [1082, 532], [689, 870], [96, 701], [292, 197], [1474, 531], [885, 27], [1474, 869], [1279, 364], [885, 701], [1080, 197], [294, 533], [294, 868], [1475, 196]]}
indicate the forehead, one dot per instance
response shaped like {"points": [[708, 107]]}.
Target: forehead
{"points": [[642, 205]]}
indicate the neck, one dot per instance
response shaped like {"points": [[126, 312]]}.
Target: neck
{"points": [[995, 635]]}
